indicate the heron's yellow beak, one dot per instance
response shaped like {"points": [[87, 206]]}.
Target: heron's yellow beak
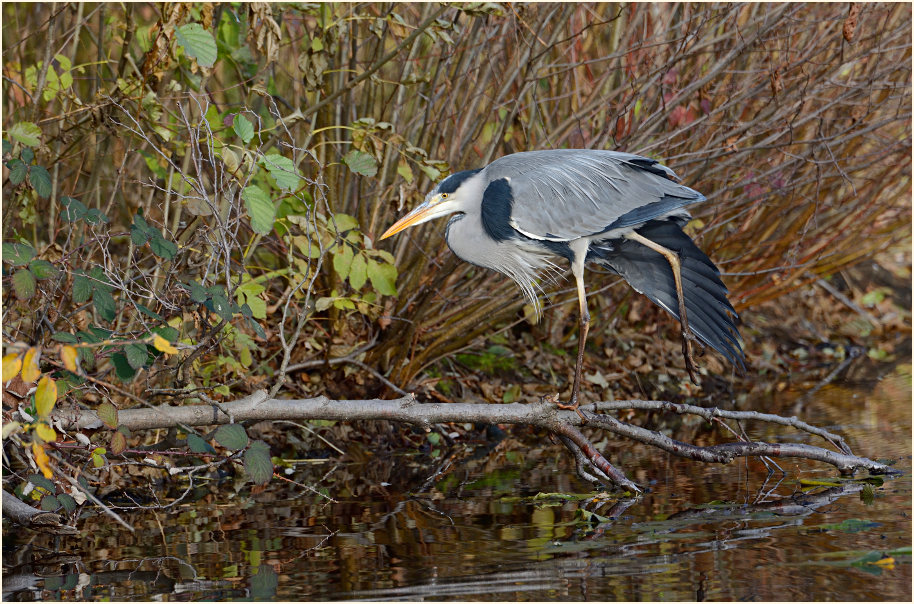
{"points": [[436, 206]]}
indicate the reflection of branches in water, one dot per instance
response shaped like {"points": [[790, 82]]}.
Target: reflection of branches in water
{"points": [[627, 559], [155, 581]]}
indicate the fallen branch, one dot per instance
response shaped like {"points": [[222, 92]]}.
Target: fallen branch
{"points": [[25, 515], [543, 414]]}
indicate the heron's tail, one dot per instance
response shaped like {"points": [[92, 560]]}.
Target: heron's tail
{"points": [[710, 313]]}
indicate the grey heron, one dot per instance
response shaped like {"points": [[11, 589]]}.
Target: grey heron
{"points": [[621, 211]]}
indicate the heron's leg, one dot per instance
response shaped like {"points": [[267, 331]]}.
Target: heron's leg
{"points": [[582, 340], [687, 336]]}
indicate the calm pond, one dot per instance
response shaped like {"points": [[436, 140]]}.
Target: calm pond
{"points": [[502, 526]]}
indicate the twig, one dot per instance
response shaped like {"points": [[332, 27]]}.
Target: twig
{"points": [[709, 413]]}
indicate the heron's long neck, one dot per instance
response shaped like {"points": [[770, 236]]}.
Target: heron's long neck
{"points": [[521, 261]]}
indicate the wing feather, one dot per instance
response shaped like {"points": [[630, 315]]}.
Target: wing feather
{"points": [[565, 194]]}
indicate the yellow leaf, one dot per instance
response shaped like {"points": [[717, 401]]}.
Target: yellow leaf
{"points": [[45, 396], [42, 460], [887, 562], [30, 371], [69, 356], [164, 345], [12, 363], [45, 433]]}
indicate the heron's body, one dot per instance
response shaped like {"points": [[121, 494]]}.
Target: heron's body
{"points": [[523, 212]]}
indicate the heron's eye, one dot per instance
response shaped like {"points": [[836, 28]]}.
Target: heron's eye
{"points": [[444, 196]]}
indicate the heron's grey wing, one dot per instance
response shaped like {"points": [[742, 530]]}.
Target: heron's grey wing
{"points": [[565, 194]]}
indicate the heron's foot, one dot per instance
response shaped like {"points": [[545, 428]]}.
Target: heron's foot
{"points": [[687, 351]]}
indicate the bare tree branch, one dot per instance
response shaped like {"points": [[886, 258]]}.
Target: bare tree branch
{"points": [[544, 415]]}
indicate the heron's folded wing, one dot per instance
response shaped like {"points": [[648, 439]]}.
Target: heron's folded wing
{"points": [[565, 194]]}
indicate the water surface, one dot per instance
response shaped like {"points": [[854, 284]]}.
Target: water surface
{"points": [[504, 525]]}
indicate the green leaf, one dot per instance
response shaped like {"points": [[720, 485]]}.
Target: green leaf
{"points": [[40, 481], [383, 277], [250, 287], [361, 162], [344, 222], [108, 414], [95, 216], [152, 162], [49, 503], [65, 337], [73, 209], [26, 133], [24, 284], [198, 43], [198, 445], [27, 155], [104, 304], [149, 313], [257, 462], [122, 367], [82, 288], [282, 170], [140, 231], [258, 307], [86, 357], [42, 269], [140, 223], [99, 279], [68, 503], [197, 292], [258, 329], [260, 209], [168, 332], [323, 304], [99, 333], [18, 254], [431, 172], [162, 247], [342, 261], [136, 354], [18, 171], [232, 436], [243, 128], [358, 272], [221, 306], [404, 170], [41, 180], [344, 304]]}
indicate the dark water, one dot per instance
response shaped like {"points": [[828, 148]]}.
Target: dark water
{"points": [[413, 527]]}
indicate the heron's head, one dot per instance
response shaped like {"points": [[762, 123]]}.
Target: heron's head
{"points": [[448, 197]]}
